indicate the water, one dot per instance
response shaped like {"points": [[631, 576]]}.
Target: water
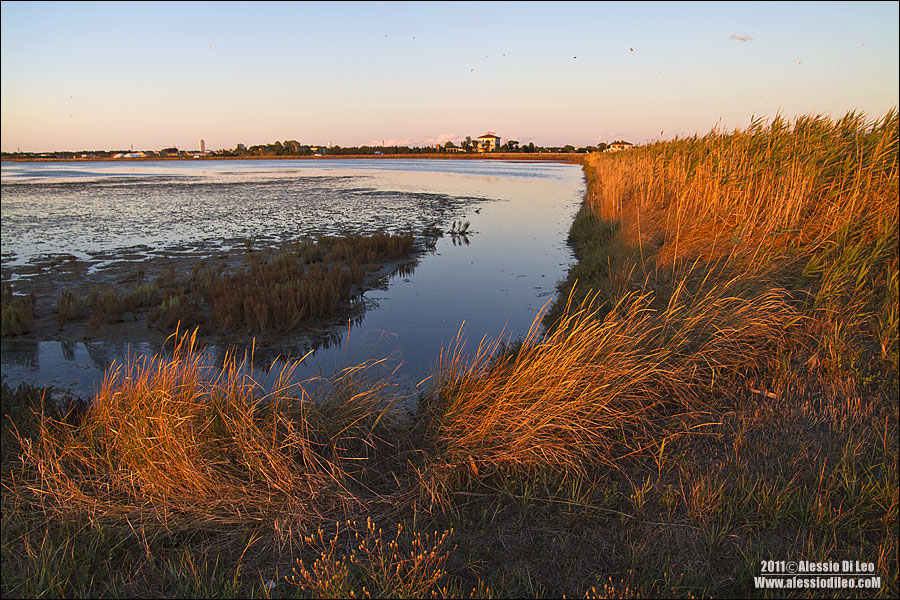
{"points": [[492, 282]]}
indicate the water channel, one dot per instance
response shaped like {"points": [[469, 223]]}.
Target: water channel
{"points": [[491, 282]]}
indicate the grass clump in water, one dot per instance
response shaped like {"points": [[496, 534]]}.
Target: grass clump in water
{"points": [[17, 312]]}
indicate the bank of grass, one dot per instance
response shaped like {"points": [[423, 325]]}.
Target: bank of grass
{"points": [[275, 292], [718, 390]]}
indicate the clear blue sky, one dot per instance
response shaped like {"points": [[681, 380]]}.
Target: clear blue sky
{"points": [[150, 75]]}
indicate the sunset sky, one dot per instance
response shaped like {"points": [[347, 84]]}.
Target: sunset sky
{"points": [[82, 76]]}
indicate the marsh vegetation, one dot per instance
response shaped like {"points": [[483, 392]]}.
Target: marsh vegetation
{"points": [[265, 291], [716, 386]]}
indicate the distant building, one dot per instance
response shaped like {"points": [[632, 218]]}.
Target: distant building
{"points": [[619, 146], [202, 145], [240, 147], [488, 142]]}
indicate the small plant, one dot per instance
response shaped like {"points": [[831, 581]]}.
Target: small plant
{"points": [[71, 307], [107, 306], [375, 567], [459, 228], [174, 309], [17, 312]]}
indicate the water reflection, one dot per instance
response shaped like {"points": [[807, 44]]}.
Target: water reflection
{"points": [[67, 367], [496, 232]]}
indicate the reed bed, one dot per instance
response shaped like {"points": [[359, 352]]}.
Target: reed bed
{"points": [[756, 193], [810, 206], [310, 280], [307, 280], [178, 443], [355, 248], [280, 296]]}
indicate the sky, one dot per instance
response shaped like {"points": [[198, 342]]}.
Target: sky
{"points": [[107, 76]]}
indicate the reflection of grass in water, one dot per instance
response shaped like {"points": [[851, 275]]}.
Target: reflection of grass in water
{"points": [[459, 228]]}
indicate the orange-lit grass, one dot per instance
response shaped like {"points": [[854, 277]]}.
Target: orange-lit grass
{"points": [[760, 192], [597, 388], [167, 441], [811, 204]]}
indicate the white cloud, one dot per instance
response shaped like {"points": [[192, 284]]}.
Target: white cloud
{"points": [[606, 137], [741, 37], [440, 139], [405, 142]]}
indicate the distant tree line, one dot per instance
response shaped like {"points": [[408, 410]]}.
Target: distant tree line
{"points": [[295, 148]]}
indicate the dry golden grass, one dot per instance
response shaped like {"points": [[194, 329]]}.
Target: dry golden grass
{"points": [[597, 388], [729, 255], [176, 442], [755, 193]]}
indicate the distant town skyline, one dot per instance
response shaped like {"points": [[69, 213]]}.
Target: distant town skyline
{"points": [[93, 76]]}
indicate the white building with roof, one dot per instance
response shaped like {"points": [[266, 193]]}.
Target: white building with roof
{"points": [[488, 142]]}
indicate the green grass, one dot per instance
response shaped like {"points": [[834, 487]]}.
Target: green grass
{"points": [[17, 312], [718, 388]]}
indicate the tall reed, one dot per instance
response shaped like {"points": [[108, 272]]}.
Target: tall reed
{"points": [[759, 193], [710, 258], [810, 205]]}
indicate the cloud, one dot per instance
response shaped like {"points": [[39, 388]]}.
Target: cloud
{"points": [[741, 37], [606, 137], [405, 142], [440, 139]]}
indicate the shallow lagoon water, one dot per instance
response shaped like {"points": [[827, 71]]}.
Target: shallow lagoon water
{"points": [[493, 282]]}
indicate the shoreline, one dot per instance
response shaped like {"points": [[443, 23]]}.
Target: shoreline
{"points": [[530, 157]]}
